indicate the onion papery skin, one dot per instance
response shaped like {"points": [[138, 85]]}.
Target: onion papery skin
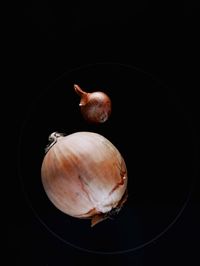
{"points": [[84, 175]]}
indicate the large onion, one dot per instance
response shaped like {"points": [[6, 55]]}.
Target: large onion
{"points": [[84, 175]]}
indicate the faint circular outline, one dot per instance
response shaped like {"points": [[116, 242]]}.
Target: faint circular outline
{"points": [[147, 243]]}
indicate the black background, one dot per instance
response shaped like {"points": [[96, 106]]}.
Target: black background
{"points": [[52, 38]]}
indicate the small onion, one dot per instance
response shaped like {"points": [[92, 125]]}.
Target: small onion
{"points": [[95, 106], [84, 175]]}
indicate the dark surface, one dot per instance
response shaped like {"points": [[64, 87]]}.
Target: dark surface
{"points": [[160, 148]]}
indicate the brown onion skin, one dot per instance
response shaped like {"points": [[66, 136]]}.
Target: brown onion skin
{"points": [[84, 176], [96, 107]]}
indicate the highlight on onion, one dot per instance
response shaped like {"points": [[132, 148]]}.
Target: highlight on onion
{"points": [[95, 106], [84, 175]]}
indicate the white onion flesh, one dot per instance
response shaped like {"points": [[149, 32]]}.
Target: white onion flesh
{"points": [[84, 175]]}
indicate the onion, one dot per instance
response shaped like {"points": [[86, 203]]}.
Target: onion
{"points": [[95, 106], [84, 175]]}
